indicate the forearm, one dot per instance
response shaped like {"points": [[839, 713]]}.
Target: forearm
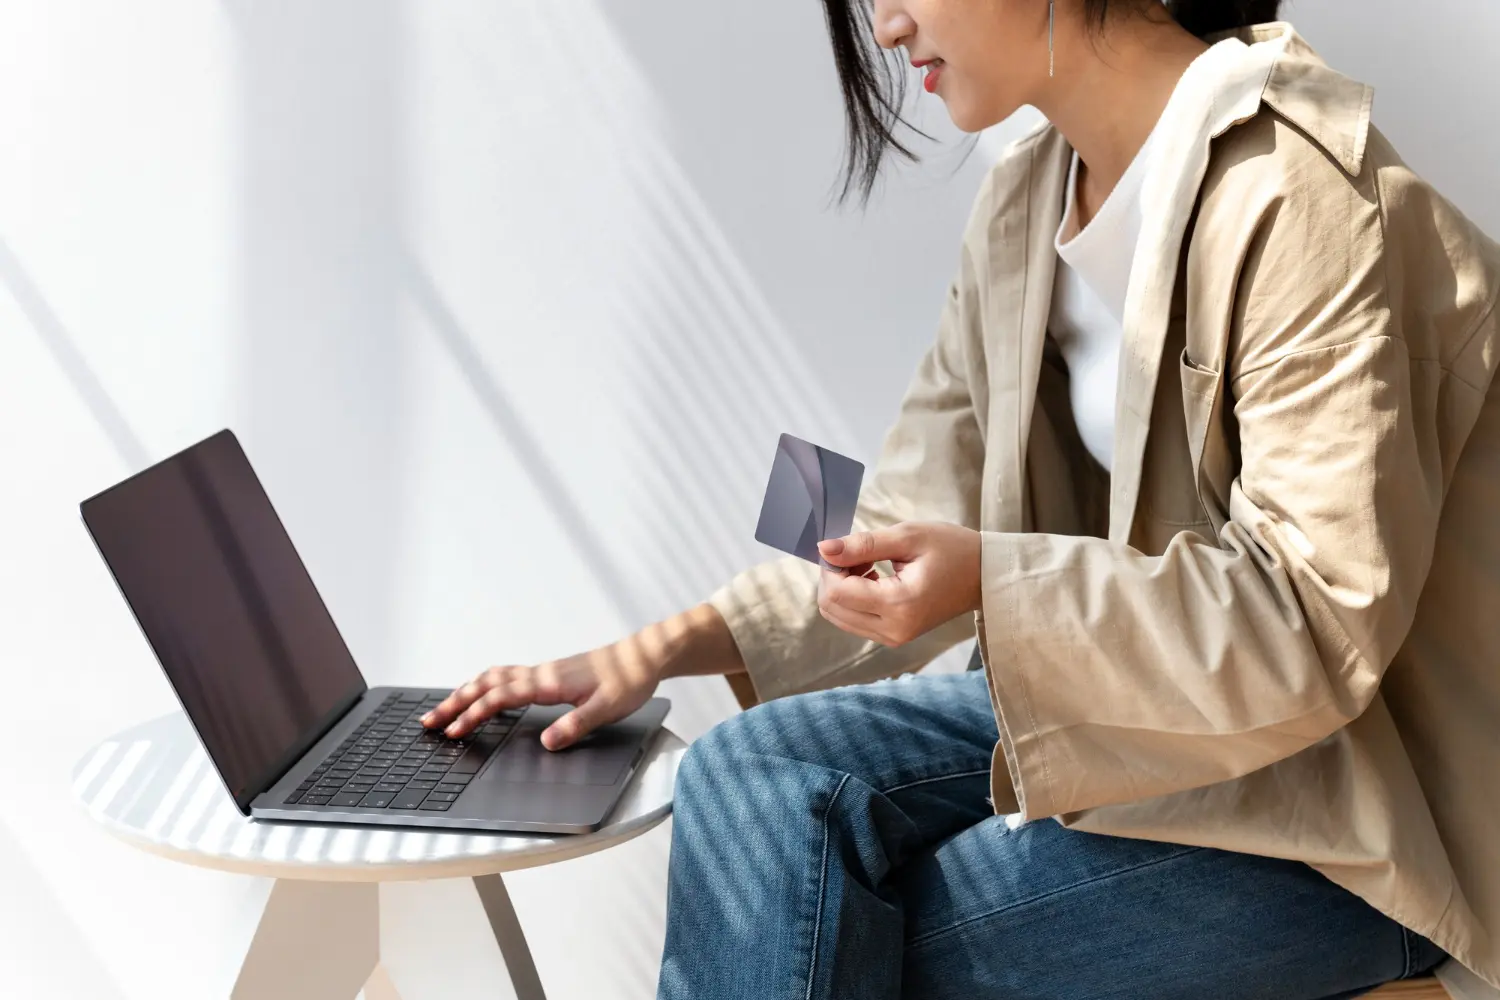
{"points": [[696, 642]]}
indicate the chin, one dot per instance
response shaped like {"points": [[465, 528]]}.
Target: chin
{"points": [[969, 118]]}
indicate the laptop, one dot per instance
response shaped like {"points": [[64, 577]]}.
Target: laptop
{"points": [[285, 715]]}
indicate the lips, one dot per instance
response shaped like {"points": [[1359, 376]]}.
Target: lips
{"points": [[934, 70]]}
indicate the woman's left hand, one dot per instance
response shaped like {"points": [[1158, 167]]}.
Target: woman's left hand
{"points": [[936, 580]]}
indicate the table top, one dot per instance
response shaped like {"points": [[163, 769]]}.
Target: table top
{"points": [[154, 787]]}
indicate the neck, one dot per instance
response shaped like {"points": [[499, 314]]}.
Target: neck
{"points": [[1110, 89]]}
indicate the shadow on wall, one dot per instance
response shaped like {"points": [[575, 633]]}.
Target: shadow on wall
{"points": [[29, 949], [752, 112], [706, 372], [322, 202], [591, 548], [70, 359]]}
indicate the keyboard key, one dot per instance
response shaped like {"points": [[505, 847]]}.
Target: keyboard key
{"points": [[315, 800], [347, 799], [411, 798], [454, 786], [436, 806], [294, 798], [377, 800], [441, 796], [425, 783], [389, 786]]}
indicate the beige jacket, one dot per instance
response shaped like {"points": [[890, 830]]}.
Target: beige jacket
{"points": [[1276, 628]]}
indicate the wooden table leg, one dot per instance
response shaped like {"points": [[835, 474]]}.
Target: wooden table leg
{"points": [[506, 927], [315, 941]]}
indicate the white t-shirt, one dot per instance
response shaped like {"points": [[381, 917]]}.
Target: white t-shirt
{"points": [[1088, 299]]}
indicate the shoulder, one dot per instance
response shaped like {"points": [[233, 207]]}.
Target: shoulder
{"points": [[1332, 243]]}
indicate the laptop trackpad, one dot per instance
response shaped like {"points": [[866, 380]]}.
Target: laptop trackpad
{"points": [[597, 759]]}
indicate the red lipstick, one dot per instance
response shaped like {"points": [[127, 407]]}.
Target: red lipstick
{"points": [[930, 81]]}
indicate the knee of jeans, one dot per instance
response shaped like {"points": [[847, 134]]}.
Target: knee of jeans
{"points": [[730, 749]]}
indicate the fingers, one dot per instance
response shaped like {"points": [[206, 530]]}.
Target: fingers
{"points": [[895, 543], [866, 626], [873, 596], [452, 706], [507, 694], [492, 691], [578, 723], [500, 688]]}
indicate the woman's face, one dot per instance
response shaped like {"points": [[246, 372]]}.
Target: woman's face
{"points": [[992, 54]]}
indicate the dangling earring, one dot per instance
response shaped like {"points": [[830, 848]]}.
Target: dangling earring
{"points": [[1051, 25]]}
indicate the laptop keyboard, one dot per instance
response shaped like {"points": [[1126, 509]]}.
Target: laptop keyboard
{"points": [[391, 761]]}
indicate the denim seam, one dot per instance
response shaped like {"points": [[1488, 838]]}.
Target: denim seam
{"points": [[812, 963], [931, 935], [846, 774], [936, 777]]}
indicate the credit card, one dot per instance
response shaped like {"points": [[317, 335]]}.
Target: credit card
{"points": [[810, 497]]}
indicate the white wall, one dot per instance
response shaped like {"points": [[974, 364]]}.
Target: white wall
{"points": [[508, 303]]}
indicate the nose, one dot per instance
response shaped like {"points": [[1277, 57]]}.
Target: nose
{"points": [[893, 25]]}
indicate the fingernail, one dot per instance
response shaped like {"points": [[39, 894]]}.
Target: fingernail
{"points": [[832, 546], [427, 719], [452, 730], [549, 740]]}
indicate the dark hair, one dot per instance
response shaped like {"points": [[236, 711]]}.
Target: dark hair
{"points": [[874, 88]]}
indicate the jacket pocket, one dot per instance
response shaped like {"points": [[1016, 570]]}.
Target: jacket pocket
{"points": [[1201, 387], [1169, 488], [1196, 379]]}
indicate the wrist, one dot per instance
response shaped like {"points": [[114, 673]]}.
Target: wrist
{"points": [[696, 642]]}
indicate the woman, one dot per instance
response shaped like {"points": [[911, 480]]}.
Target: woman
{"points": [[1207, 452]]}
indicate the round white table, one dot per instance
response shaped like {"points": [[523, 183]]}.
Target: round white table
{"points": [[344, 895]]}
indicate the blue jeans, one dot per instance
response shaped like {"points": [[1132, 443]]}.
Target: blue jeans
{"points": [[839, 844]]}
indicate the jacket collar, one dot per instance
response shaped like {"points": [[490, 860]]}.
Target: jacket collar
{"points": [[1331, 108]]}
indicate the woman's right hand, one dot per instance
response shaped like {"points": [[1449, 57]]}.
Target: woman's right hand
{"points": [[604, 684]]}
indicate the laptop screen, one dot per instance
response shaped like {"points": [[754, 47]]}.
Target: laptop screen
{"points": [[225, 601]]}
